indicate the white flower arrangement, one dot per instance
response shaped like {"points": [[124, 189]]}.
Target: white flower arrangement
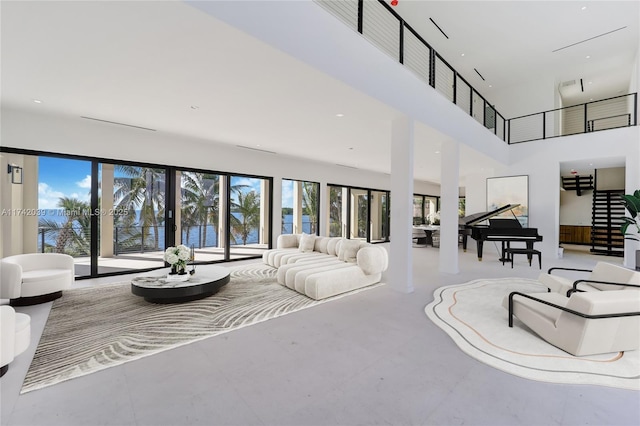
{"points": [[434, 218], [177, 256]]}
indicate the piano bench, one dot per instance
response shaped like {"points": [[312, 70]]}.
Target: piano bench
{"points": [[508, 255]]}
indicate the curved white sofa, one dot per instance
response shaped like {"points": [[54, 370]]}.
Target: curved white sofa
{"points": [[321, 267], [15, 335], [28, 279]]}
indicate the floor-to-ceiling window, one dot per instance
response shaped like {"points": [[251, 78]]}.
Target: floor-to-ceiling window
{"points": [[425, 209], [300, 206], [198, 214], [64, 210], [132, 229], [337, 213], [117, 217], [248, 216], [379, 208], [358, 213]]}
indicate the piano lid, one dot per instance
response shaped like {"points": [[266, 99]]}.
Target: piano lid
{"points": [[475, 218]]}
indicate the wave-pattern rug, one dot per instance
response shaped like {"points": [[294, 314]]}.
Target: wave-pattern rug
{"points": [[473, 315], [91, 329]]}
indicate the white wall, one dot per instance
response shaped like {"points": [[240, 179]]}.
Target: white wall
{"points": [[541, 161], [575, 210], [527, 98], [77, 136], [309, 33]]}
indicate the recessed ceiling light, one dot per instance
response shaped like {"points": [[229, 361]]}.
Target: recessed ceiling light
{"points": [[590, 99], [437, 152], [588, 56], [591, 164], [37, 101], [490, 86], [591, 82], [339, 115], [462, 54], [583, 8]]}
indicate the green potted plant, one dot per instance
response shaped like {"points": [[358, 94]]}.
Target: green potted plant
{"points": [[632, 203]]}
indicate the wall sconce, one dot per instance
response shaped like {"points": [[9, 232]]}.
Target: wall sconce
{"points": [[16, 173]]}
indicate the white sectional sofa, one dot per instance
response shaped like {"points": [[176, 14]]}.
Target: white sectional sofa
{"points": [[321, 267]]}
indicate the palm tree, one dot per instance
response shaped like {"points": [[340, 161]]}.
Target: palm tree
{"points": [[310, 202], [200, 201], [248, 214], [335, 211], [72, 236], [142, 188]]}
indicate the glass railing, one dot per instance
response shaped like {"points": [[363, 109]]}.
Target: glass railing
{"points": [[610, 113]]}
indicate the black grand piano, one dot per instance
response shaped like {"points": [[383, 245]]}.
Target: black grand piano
{"points": [[504, 230]]}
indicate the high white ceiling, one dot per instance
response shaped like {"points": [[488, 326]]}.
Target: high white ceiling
{"points": [[167, 66]]}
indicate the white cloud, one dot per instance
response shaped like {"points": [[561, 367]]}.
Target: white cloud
{"points": [[48, 197], [85, 183]]}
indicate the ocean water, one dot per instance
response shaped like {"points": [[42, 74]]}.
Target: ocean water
{"points": [[199, 236]]}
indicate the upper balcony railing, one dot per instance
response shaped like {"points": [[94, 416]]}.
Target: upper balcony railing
{"points": [[610, 113], [380, 24]]}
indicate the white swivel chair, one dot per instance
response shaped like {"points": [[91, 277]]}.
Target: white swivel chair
{"points": [[28, 279], [15, 335], [585, 323], [604, 276]]}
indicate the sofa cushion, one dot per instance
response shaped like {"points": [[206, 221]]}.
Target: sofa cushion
{"points": [[348, 250], [307, 243], [321, 244], [332, 246]]}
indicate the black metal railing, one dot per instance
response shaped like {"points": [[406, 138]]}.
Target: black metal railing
{"points": [[75, 240], [307, 227], [381, 25], [604, 114]]}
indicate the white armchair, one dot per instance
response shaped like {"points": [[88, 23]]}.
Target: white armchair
{"points": [[604, 276], [585, 323], [28, 279], [15, 335]]}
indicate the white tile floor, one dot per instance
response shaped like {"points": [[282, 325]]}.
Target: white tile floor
{"points": [[371, 358]]}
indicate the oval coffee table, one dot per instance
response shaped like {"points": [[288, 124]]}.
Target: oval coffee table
{"points": [[157, 289]]}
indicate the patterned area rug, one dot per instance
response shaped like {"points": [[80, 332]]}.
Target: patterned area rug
{"points": [[472, 314], [91, 329]]}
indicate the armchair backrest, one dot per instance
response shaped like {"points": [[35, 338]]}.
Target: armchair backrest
{"points": [[604, 271], [586, 336], [36, 261], [10, 279]]}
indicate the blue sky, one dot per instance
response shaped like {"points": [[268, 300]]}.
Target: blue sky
{"points": [[62, 178], [72, 178]]}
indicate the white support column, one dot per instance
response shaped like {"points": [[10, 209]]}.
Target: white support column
{"points": [[323, 227], [265, 214], [400, 253], [277, 209], [297, 207], [449, 183], [106, 205], [345, 213], [222, 210], [30, 199], [177, 209]]}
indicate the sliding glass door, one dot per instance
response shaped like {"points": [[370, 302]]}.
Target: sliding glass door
{"points": [[117, 217]]}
